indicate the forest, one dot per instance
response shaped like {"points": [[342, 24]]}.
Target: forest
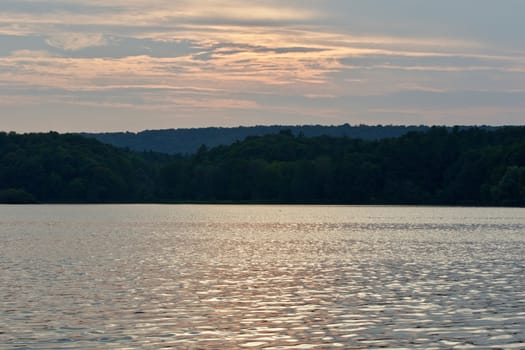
{"points": [[438, 166]]}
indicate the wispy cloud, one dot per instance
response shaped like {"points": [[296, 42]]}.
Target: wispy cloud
{"points": [[224, 61], [76, 41]]}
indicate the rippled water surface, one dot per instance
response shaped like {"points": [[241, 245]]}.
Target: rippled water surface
{"points": [[272, 277]]}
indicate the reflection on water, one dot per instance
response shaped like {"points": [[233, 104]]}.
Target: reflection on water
{"points": [[272, 277]]}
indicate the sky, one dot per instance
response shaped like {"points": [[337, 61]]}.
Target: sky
{"points": [[131, 65]]}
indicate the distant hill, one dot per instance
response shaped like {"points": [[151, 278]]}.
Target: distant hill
{"points": [[187, 141]]}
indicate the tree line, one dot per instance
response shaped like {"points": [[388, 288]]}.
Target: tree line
{"points": [[440, 166]]}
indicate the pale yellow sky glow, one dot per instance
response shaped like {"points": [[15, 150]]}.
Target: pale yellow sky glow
{"points": [[78, 65]]}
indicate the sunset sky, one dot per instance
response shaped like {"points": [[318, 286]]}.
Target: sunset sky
{"points": [[116, 65]]}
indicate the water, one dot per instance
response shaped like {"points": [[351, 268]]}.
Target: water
{"points": [[273, 277]]}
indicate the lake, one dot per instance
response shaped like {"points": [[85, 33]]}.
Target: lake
{"points": [[272, 277]]}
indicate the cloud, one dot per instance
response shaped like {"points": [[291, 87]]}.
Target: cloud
{"points": [[76, 41], [257, 61], [32, 53]]}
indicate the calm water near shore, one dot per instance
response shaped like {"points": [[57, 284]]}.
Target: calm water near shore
{"points": [[272, 277]]}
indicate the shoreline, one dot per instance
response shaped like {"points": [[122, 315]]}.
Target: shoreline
{"points": [[265, 203]]}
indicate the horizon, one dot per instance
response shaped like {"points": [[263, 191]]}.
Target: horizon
{"points": [[117, 66], [268, 125]]}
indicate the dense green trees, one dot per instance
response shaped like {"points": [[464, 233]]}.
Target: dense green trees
{"points": [[467, 166], [70, 168], [16, 196], [455, 166]]}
